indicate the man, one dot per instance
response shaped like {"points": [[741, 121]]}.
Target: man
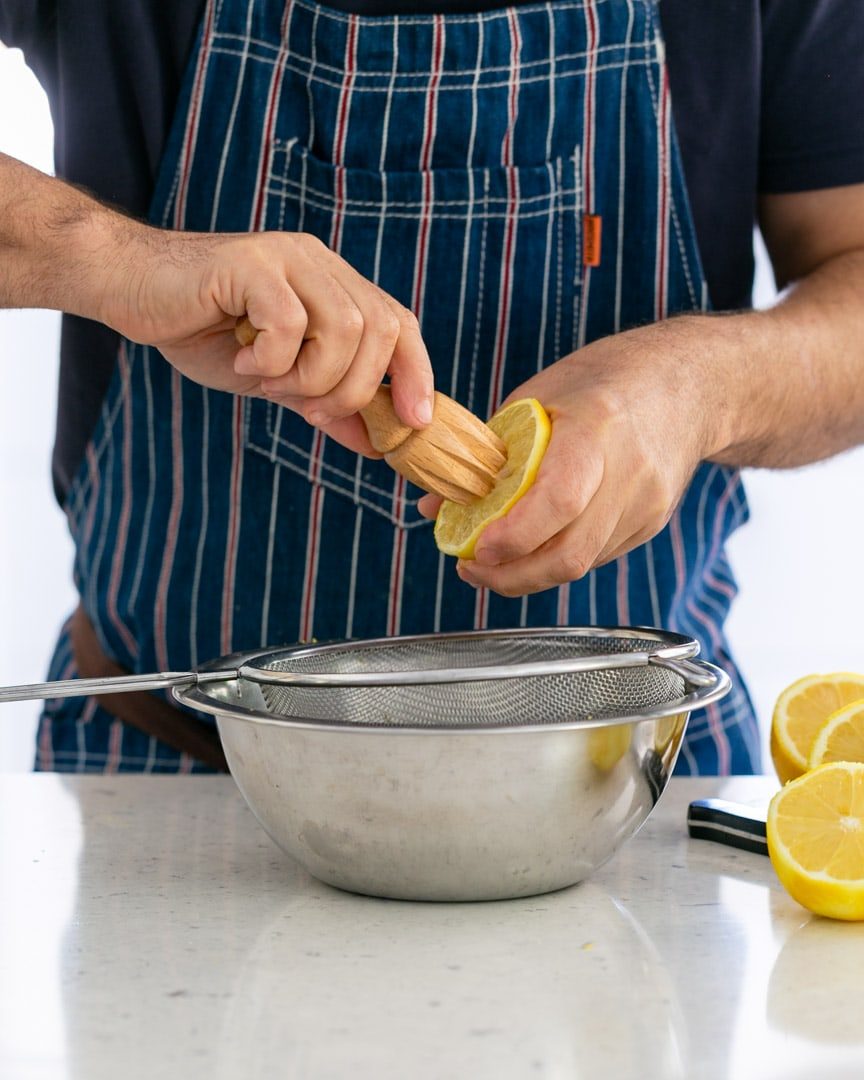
{"points": [[511, 177]]}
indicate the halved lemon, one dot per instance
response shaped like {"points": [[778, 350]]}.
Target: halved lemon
{"points": [[816, 839], [841, 737], [525, 428], [801, 712]]}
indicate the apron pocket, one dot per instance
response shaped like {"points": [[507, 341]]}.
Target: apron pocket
{"points": [[489, 259]]}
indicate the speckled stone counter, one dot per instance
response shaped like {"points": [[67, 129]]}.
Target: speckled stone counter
{"points": [[151, 929]]}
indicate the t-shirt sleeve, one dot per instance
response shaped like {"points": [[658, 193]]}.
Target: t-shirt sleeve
{"points": [[812, 112], [24, 23]]}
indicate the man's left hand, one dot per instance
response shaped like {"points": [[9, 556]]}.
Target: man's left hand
{"points": [[631, 420]]}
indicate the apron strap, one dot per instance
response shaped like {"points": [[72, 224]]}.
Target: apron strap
{"points": [[143, 711]]}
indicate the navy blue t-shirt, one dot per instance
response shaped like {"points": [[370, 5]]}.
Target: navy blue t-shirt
{"points": [[767, 97]]}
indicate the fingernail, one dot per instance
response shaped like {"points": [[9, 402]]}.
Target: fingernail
{"points": [[318, 419], [423, 412], [488, 556]]}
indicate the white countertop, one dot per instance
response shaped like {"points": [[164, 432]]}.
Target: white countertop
{"points": [[151, 929]]}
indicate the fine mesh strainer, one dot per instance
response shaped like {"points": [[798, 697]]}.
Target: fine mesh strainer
{"points": [[476, 680]]}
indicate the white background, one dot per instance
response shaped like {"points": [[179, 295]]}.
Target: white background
{"points": [[798, 561]]}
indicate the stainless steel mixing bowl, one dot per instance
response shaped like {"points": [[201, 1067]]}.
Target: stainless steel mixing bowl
{"points": [[468, 790]]}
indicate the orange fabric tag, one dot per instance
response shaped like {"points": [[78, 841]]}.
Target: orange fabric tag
{"points": [[592, 231]]}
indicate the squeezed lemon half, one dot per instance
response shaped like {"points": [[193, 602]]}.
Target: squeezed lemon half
{"points": [[525, 428]]}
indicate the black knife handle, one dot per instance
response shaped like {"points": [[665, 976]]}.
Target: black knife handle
{"points": [[729, 823]]}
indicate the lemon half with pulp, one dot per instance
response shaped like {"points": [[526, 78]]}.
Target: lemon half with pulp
{"points": [[841, 737], [815, 836], [800, 714], [525, 428]]}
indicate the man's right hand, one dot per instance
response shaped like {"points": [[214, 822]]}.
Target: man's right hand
{"points": [[326, 335]]}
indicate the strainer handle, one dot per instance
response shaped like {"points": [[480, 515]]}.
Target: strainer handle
{"points": [[121, 684], [712, 683], [696, 672]]}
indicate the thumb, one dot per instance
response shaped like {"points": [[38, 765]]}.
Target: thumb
{"points": [[272, 334]]}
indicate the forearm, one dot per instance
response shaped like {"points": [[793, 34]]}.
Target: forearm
{"points": [[783, 387], [326, 339], [57, 245]]}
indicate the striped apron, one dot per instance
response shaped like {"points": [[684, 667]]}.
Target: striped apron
{"points": [[456, 160]]}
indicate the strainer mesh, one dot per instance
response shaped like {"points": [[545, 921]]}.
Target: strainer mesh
{"points": [[548, 699]]}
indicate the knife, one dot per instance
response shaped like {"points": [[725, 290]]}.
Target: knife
{"points": [[734, 824]]}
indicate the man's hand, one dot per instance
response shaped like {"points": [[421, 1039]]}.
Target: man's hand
{"points": [[633, 415], [630, 423], [326, 335]]}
